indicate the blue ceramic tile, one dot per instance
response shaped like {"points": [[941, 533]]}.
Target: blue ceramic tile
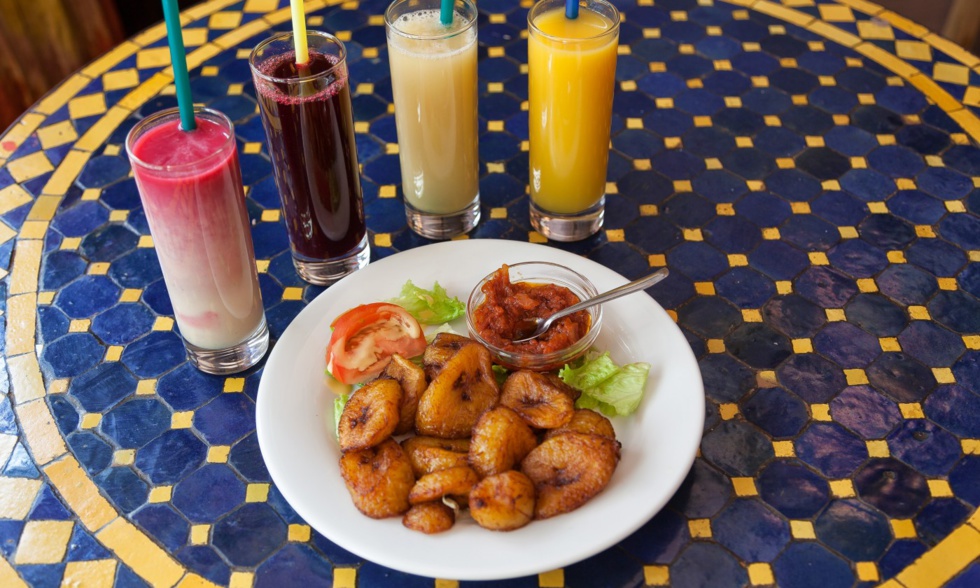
{"points": [[750, 163], [42, 574], [793, 489], [745, 287], [9, 535], [614, 566], [232, 535], [758, 345], [226, 419], [47, 506], [739, 121], [122, 323], [108, 243], [154, 354], [164, 524], [187, 388], [916, 207], [796, 565], [677, 165], [939, 518], [136, 422], [964, 479], [663, 84], [876, 120], [969, 577], [809, 233], [831, 449], [87, 296], [763, 209], [689, 66], [811, 377], [709, 316], [766, 101], [931, 344], [807, 120], [52, 323], [171, 456], [725, 378], [903, 100], [60, 268], [704, 564], [719, 186], [697, 260], [659, 540], [826, 287], [124, 487], [20, 464], [727, 83], [851, 140], [794, 316], [708, 142], [866, 412], [896, 161], [925, 140], [295, 565], [907, 284], [783, 46], [846, 345], [925, 446], [71, 355], [703, 493], [821, 63], [103, 170], [747, 30], [901, 377], [208, 493], [737, 448], [205, 561], [969, 279], [868, 185], [853, 529], [961, 229], [892, 487], [92, 452], [956, 409], [779, 142], [776, 411], [633, 143], [137, 269], [965, 158], [956, 310], [83, 547]]}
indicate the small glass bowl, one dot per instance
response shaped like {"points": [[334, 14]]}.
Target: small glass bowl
{"points": [[539, 272]]}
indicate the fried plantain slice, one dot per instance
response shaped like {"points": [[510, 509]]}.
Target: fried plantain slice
{"points": [[453, 481], [370, 416], [500, 440], [457, 397], [412, 380], [568, 470], [586, 421], [379, 479], [426, 459], [503, 502], [442, 348], [542, 400], [429, 517]]}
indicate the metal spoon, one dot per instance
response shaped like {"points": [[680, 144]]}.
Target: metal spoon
{"points": [[534, 327]]}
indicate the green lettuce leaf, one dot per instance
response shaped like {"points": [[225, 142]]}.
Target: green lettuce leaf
{"points": [[615, 390], [339, 402], [429, 307]]}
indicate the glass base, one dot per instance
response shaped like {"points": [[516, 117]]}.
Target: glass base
{"points": [[231, 359], [443, 226], [326, 272], [569, 227]]}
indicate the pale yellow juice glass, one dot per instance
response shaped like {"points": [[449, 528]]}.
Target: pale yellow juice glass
{"points": [[571, 77], [434, 85]]}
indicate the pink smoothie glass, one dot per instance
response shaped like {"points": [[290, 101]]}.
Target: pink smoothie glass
{"points": [[190, 183]]}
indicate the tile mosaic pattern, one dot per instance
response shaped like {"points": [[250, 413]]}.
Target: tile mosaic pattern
{"points": [[808, 169]]}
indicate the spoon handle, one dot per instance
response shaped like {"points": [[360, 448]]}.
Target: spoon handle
{"points": [[641, 284]]}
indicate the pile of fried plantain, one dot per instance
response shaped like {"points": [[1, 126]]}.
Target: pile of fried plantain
{"points": [[509, 454]]}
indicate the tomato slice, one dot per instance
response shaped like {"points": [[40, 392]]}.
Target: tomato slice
{"points": [[365, 337]]}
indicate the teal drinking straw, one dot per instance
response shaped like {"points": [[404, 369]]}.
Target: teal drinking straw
{"points": [[571, 8], [446, 12], [178, 58]]}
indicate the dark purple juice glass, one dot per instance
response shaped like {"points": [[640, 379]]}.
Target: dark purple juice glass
{"points": [[306, 112]]}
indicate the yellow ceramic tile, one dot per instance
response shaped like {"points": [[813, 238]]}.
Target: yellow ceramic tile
{"points": [[59, 386], [785, 163], [955, 206], [783, 449], [495, 125], [146, 387], [118, 216], [802, 530], [841, 119], [738, 260], [911, 410], [498, 168], [347, 578], [867, 285], [889, 344], [903, 528], [90, 420], [98, 573], [85, 106], [848, 232], [693, 235], [699, 528], [940, 489], [199, 534], [382, 239], [842, 488], [877, 448], [970, 446], [80, 493], [743, 142], [744, 486], [725, 209], [42, 434], [766, 379], [802, 346], [947, 283], [946, 559], [867, 571], [944, 375], [17, 497], [182, 419], [919, 313], [224, 20], [292, 293], [498, 213], [551, 579], [772, 120], [818, 258], [29, 167], [696, 83], [163, 323], [728, 411], [784, 286], [642, 164], [925, 231], [628, 85], [246, 579], [800, 207], [299, 533], [657, 260], [25, 376], [257, 493], [43, 298], [770, 234], [788, 62], [875, 30], [22, 311], [656, 575], [160, 494], [43, 542], [124, 457], [799, 99], [951, 73], [712, 163], [12, 197], [830, 185], [751, 315], [820, 412], [57, 134], [971, 341], [615, 235], [612, 188], [672, 142], [856, 377], [536, 237], [704, 288], [760, 574]]}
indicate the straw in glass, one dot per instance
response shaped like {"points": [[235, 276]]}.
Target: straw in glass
{"points": [[178, 58]]}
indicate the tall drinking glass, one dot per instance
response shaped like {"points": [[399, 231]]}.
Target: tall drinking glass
{"points": [[434, 84], [571, 77], [306, 112], [191, 187]]}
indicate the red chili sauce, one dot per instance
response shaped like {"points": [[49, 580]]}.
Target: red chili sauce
{"points": [[507, 304]]}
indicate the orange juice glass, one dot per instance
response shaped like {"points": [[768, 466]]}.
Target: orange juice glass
{"points": [[571, 77]]}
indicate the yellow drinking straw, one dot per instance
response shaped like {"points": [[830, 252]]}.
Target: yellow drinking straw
{"points": [[299, 31]]}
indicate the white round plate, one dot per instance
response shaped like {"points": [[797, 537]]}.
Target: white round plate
{"points": [[294, 420]]}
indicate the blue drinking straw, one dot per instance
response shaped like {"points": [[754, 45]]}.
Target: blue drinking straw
{"points": [[178, 58], [446, 12], [571, 9]]}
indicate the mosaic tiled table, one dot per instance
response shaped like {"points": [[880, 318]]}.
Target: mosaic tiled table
{"points": [[807, 169]]}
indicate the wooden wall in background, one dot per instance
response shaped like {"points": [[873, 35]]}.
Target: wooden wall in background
{"points": [[42, 42]]}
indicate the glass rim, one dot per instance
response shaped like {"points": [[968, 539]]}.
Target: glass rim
{"points": [[169, 113], [252, 57], [390, 26], [534, 12]]}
